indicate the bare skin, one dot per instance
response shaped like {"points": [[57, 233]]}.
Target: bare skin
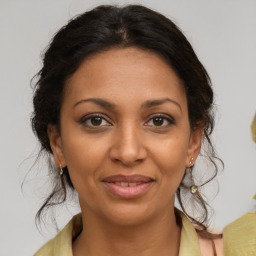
{"points": [[124, 114]]}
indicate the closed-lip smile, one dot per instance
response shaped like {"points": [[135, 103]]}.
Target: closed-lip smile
{"points": [[128, 186]]}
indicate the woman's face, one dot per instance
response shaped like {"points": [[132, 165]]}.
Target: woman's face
{"points": [[125, 135]]}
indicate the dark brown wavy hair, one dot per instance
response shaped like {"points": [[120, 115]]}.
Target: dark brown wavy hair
{"points": [[107, 27]]}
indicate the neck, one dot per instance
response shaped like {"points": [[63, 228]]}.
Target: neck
{"points": [[103, 238]]}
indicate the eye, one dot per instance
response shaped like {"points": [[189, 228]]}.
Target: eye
{"points": [[94, 121], [160, 120]]}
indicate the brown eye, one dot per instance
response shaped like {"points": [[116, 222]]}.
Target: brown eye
{"points": [[158, 121], [96, 121]]}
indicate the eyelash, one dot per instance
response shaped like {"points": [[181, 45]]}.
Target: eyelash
{"points": [[167, 118], [87, 118]]}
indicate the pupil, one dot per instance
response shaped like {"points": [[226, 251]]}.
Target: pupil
{"points": [[96, 121], [158, 121]]}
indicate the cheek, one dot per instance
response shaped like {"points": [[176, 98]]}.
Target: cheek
{"points": [[170, 157], [83, 158], [172, 151]]}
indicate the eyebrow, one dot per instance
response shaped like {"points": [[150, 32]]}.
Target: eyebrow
{"points": [[145, 105], [97, 101], [157, 102]]}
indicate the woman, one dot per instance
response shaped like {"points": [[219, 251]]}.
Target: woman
{"points": [[123, 105]]}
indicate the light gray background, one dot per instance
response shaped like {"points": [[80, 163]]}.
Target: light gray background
{"points": [[223, 33]]}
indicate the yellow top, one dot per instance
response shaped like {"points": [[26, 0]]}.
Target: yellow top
{"points": [[61, 244], [240, 236]]}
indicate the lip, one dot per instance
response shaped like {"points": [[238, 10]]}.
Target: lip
{"points": [[128, 192]]}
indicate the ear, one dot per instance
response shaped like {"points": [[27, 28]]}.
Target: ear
{"points": [[56, 145], [194, 145]]}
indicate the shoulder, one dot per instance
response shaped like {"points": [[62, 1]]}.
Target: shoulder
{"points": [[211, 247], [194, 244], [240, 236], [61, 244]]}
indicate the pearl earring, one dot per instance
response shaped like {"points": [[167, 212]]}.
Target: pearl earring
{"points": [[61, 171]]}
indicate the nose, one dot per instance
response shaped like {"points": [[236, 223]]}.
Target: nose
{"points": [[128, 146]]}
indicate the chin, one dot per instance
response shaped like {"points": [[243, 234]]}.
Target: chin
{"points": [[130, 214]]}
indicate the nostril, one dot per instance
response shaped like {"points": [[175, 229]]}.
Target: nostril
{"points": [[127, 145], [128, 157]]}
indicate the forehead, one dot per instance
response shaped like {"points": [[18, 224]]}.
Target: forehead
{"points": [[130, 70]]}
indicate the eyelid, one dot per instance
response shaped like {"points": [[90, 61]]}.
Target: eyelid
{"points": [[165, 116], [92, 115]]}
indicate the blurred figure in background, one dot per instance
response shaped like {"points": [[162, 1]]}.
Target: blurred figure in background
{"points": [[241, 234]]}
